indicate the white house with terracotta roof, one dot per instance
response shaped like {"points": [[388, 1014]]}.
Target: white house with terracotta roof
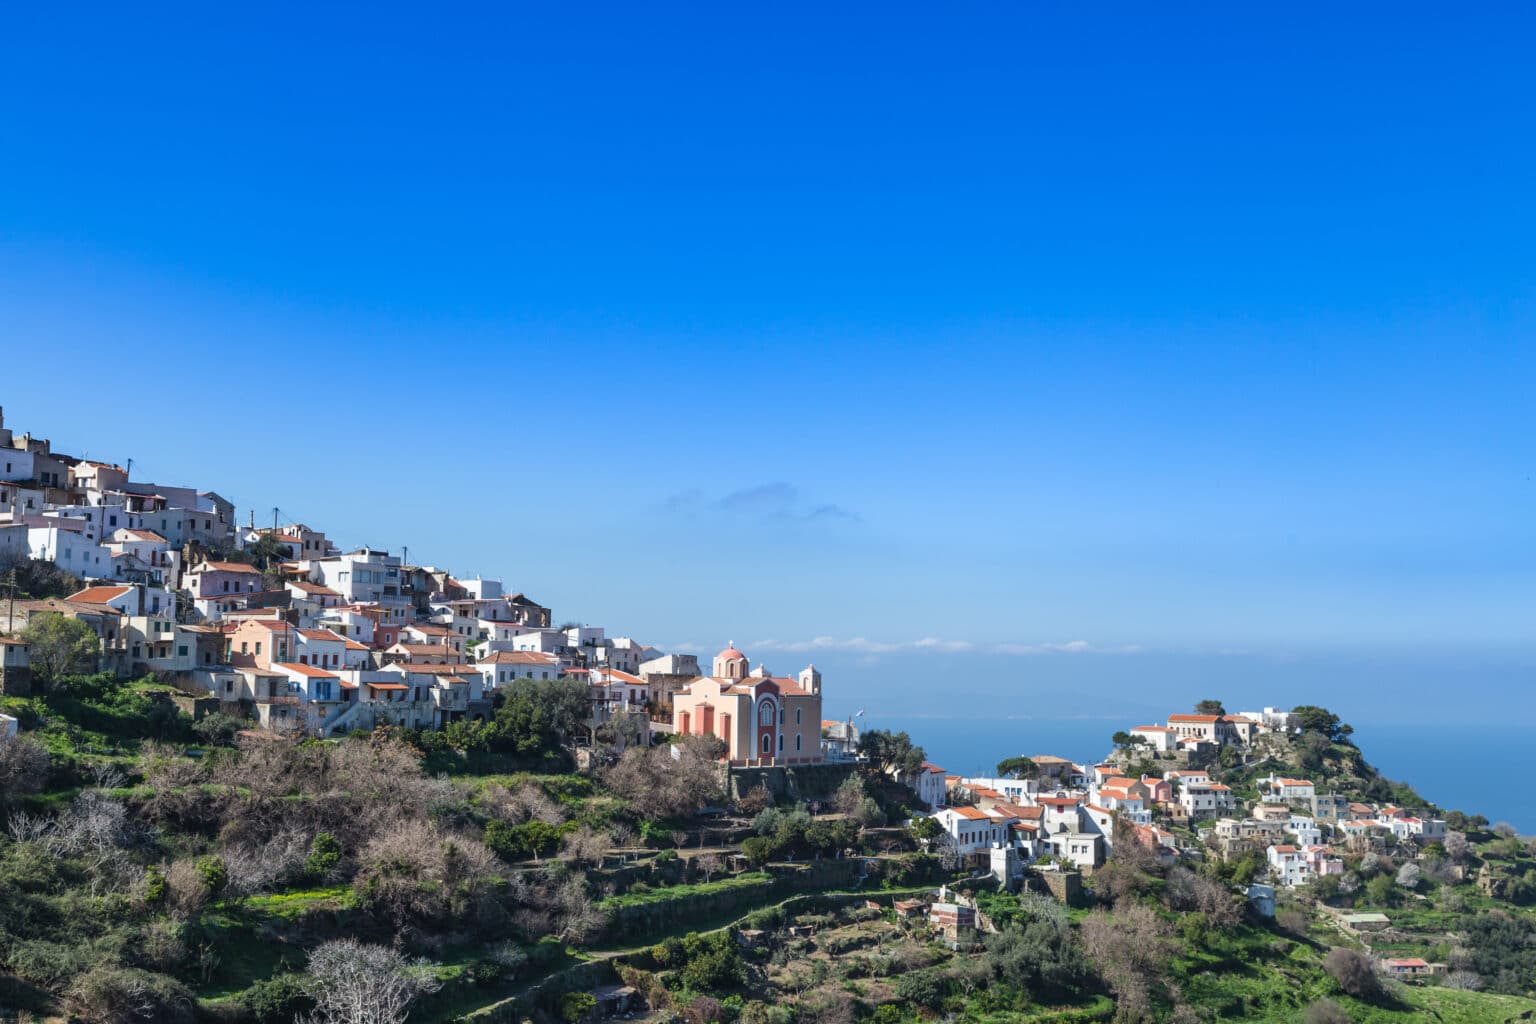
{"points": [[320, 648], [1128, 797], [351, 622], [1283, 790], [455, 691], [1159, 738], [435, 635], [619, 690], [143, 551], [1061, 813], [502, 667], [1299, 865], [972, 830], [316, 693], [763, 721], [126, 598], [930, 785], [311, 600], [1082, 849], [1205, 799], [419, 654], [926, 783]]}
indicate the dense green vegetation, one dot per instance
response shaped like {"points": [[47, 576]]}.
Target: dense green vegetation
{"points": [[189, 872]]}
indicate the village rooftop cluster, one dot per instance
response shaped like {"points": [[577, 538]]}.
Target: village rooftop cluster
{"points": [[1066, 816]]}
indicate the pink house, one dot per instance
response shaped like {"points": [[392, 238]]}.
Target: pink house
{"points": [[211, 579]]}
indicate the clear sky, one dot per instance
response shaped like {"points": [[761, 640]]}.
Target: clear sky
{"points": [[1082, 355]]}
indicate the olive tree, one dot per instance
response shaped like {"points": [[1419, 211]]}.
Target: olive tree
{"points": [[60, 646]]}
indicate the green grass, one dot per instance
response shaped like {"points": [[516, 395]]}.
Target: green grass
{"points": [[1455, 1007], [289, 905], [674, 892]]}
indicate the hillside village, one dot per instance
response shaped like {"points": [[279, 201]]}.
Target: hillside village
{"points": [[1070, 814], [248, 743], [279, 627]]}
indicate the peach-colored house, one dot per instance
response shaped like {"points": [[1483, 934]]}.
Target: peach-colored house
{"points": [[260, 643], [762, 719]]}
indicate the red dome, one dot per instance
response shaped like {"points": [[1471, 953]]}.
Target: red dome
{"points": [[731, 653]]}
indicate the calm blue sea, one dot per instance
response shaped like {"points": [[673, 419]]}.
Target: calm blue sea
{"points": [[1475, 769]]}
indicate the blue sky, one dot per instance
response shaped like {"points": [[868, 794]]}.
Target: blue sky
{"points": [[1061, 354]]}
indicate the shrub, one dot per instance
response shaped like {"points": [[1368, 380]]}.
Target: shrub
{"points": [[715, 969], [576, 1006], [153, 884], [217, 729], [484, 971], [1354, 972], [921, 988], [214, 874], [324, 855], [277, 1000], [1325, 1011], [126, 995]]}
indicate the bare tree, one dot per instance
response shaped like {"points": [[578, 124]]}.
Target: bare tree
{"points": [[587, 846], [1467, 980], [658, 785], [1131, 949], [708, 864], [24, 768], [943, 846], [1187, 891], [1457, 847], [577, 917], [355, 983]]}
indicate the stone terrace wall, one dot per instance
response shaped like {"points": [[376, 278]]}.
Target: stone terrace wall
{"points": [[794, 782]]}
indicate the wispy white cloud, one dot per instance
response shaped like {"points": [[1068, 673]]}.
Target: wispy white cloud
{"points": [[768, 502]]}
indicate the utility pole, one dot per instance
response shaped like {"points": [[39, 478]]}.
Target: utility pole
{"points": [[10, 615]]}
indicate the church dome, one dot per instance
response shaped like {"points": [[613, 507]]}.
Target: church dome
{"points": [[732, 654]]}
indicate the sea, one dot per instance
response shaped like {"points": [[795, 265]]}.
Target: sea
{"points": [[1476, 769]]}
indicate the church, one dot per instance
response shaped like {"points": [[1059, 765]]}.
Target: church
{"points": [[762, 719]]}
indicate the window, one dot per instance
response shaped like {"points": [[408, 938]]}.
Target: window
{"points": [[781, 742], [797, 716], [766, 740], [797, 741], [258, 647], [181, 650]]}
